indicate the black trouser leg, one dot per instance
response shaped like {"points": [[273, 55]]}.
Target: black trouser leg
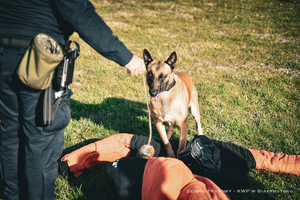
{"points": [[21, 123]]}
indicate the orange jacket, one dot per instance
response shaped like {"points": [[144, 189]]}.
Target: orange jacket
{"points": [[170, 178]]}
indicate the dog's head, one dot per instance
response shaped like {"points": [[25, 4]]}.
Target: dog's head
{"points": [[160, 76]]}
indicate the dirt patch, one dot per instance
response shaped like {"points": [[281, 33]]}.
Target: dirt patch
{"points": [[205, 63], [220, 33], [209, 64], [184, 16], [170, 35], [287, 40], [257, 65], [280, 39], [263, 35], [227, 67], [290, 71], [266, 65]]}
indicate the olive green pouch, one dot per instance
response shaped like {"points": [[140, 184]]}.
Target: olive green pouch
{"points": [[39, 61]]}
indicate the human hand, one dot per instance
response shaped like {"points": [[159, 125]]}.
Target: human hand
{"points": [[136, 66]]}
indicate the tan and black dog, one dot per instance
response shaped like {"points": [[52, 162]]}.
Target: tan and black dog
{"points": [[172, 95]]}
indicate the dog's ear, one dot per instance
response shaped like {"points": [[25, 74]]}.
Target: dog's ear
{"points": [[147, 57], [172, 60]]}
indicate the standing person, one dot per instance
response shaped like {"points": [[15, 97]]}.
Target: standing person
{"points": [[29, 150]]}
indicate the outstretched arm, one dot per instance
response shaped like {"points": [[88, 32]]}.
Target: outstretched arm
{"points": [[276, 162], [100, 152]]}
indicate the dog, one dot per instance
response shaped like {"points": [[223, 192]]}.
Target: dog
{"points": [[172, 95]]}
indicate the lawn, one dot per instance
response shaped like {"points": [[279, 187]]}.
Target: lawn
{"points": [[243, 57]]}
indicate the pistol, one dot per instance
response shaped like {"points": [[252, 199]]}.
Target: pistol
{"points": [[65, 69]]}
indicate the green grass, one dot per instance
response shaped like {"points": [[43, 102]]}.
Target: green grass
{"points": [[243, 57]]}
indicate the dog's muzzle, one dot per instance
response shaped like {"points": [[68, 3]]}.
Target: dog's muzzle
{"points": [[154, 94]]}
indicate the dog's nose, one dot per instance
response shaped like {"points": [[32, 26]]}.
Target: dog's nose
{"points": [[153, 92]]}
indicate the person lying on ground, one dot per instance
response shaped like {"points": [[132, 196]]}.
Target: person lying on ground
{"points": [[169, 178]]}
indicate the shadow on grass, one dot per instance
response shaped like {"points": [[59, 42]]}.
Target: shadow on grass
{"points": [[118, 114]]}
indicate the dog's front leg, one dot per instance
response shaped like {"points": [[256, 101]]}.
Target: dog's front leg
{"points": [[162, 132], [170, 130], [183, 135]]}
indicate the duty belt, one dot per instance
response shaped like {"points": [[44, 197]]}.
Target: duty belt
{"points": [[15, 41]]}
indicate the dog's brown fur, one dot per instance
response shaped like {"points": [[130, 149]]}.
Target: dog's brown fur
{"points": [[172, 95]]}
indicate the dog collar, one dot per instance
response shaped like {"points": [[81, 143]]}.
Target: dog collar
{"points": [[171, 85]]}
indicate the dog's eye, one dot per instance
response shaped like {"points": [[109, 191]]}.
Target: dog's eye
{"points": [[150, 75], [163, 76]]}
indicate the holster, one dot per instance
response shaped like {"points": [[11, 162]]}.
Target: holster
{"points": [[63, 77], [50, 109], [64, 72]]}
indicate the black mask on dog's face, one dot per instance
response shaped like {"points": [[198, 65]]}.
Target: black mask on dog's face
{"points": [[160, 76]]}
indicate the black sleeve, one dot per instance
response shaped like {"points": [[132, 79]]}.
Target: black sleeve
{"points": [[137, 141], [126, 177], [236, 162], [234, 157], [93, 30]]}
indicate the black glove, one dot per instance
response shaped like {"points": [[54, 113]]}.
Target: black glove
{"points": [[64, 170]]}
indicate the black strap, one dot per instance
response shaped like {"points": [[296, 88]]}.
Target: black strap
{"points": [[47, 111], [15, 41]]}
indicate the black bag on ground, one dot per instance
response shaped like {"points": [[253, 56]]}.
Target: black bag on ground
{"points": [[201, 156]]}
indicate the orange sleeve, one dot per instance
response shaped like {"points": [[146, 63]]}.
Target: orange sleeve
{"points": [[276, 162], [103, 151], [163, 178]]}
